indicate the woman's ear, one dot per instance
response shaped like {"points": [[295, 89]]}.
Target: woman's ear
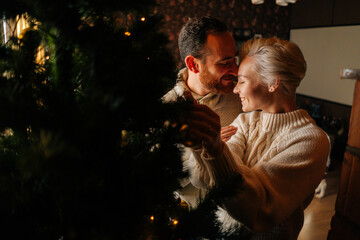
{"points": [[191, 64], [272, 88]]}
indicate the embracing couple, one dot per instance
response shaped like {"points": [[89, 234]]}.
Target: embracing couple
{"points": [[246, 119]]}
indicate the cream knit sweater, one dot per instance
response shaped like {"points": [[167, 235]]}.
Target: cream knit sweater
{"points": [[281, 158]]}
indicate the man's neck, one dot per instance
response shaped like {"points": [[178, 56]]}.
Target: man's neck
{"points": [[194, 84]]}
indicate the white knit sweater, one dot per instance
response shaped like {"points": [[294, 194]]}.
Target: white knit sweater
{"points": [[281, 158]]}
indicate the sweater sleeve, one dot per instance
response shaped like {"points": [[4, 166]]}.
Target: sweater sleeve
{"points": [[275, 187], [201, 173], [198, 173]]}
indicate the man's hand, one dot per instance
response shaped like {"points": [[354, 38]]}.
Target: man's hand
{"points": [[204, 126]]}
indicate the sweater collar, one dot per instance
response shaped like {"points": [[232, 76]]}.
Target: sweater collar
{"points": [[182, 80], [278, 121]]}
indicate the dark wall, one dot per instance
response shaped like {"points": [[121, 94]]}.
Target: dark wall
{"points": [[331, 117], [267, 19], [319, 13], [327, 13]]}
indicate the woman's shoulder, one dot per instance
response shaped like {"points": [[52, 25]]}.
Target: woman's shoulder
{"points": [[315, 131], [250, 115], [307, 125], [247, 118], [311, 133]]}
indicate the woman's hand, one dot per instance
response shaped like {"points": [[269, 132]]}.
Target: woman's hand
{"points": [[227, 132]]}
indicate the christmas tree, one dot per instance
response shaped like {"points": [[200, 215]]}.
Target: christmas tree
{"points": [[87, 149]]}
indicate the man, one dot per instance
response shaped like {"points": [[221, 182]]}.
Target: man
{"points": [[208, 50]]}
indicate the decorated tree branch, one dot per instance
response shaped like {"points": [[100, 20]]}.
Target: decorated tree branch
{"points": [[87, 149]]}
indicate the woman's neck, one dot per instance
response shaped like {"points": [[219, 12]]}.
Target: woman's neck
{"points": [[281, 103]]}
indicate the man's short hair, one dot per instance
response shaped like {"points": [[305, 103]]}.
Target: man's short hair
{"points": [[193, 35]]}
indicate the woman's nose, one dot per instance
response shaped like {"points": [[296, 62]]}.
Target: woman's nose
{"points": [[236, 88]]}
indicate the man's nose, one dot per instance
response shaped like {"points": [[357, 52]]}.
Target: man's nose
{"points": [[234, 68]]}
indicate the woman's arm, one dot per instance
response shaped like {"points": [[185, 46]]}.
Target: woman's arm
{"points": [[277, 186]]}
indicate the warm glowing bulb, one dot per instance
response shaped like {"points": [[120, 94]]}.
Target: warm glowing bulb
{"points": [[152, 218], [175, 222], [142, 19], [40, 102], [127, 33]]}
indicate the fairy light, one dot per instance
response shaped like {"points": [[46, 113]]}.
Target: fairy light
{"points": [[152, 218], [4, 27], [175, 222], [7, 132], [40, 102], [127, 33], [142, 19]]}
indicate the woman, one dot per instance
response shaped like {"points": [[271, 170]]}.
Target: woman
{"points": [[279, 151]]}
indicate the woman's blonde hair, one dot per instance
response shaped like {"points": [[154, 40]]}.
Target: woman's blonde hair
{"points": [[276, 59]]}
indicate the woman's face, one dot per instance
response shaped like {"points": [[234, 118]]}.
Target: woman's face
{"points": [[253, 94]]}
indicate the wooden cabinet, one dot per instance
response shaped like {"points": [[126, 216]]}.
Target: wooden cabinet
{"points": [[345, 224]]}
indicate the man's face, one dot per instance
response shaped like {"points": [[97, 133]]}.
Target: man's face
{"points": [[217, 70]]}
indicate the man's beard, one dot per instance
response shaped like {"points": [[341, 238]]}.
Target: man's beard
{"points": [[214, 84]]}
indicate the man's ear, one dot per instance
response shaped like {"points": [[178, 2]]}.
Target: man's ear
{"points": [[191, 64], [272, 88]]}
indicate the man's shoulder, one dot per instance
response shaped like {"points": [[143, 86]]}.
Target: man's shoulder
{"points": [[176, 92], [178, 89], [172, 95]]}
